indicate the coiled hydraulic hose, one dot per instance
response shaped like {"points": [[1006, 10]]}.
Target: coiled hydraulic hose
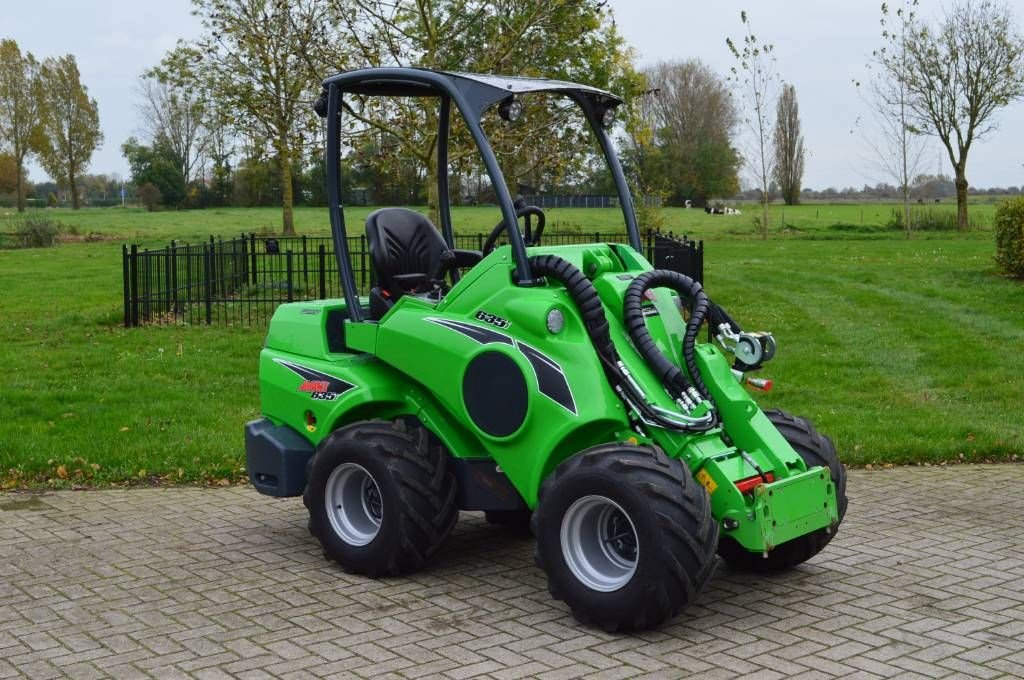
{"points": [[633, 314], [587, 300]]}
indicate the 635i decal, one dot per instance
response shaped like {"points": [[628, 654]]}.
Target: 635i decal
{"points": [[320, 386]]}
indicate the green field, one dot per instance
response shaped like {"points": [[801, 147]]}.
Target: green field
{"points": [[904, 351], [813, 221]]}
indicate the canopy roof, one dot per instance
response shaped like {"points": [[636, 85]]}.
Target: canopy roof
{"points": [[481, 89]]}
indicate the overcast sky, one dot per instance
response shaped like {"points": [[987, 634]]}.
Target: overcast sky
{"points": [[821, 46]]}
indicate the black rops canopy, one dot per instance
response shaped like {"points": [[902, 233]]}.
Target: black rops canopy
{"points": [[479, 90], [471, 94]]}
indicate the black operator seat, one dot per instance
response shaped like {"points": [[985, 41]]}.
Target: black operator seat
{"points": [[409, 257]]}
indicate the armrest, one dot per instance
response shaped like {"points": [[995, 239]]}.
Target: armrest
{"points": [[466, 258], [409, 282]]}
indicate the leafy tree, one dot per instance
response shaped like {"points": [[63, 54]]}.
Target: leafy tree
{"points": [[158, 166], [261, 63], [257, 182], [150, 196], [755, 73], [692, 119], [19, 108], [958, 75], [70, 123], [571, 40], [789, 146]]}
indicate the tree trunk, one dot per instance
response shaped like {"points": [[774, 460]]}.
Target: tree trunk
{"points": [[21, 189], [906, 212], [73, 185], [961, 200], [284, 159], [764, 214]]}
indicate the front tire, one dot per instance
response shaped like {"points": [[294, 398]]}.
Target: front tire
{"points": [[381, 497], [625, 536], [816, 450]]}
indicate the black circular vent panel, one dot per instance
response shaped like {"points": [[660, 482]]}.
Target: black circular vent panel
{"points": [[494, 392]]}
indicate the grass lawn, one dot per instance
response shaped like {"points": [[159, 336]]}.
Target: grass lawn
{"points": [[902, 350]]}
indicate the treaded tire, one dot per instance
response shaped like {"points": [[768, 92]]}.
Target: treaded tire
{"points": [[513, 521], [417, 492], [675, 531], [817, 450]]}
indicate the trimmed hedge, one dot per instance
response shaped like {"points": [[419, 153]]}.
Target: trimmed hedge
{"points": [[1009, 231]]}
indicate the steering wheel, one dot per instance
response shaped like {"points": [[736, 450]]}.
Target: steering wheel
{"points": [[531, 239]]}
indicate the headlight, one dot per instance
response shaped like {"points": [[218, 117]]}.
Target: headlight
{"points": [[511, 109]]}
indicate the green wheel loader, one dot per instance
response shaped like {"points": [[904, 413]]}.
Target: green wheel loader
{"points": [[562, 388]]}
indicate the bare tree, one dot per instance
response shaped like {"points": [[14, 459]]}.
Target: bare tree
{"points": [[262, 61], [789, 146], [755, 74], [958, 75], [894, 148], [175, 115]]}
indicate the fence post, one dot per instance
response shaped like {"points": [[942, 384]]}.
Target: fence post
{"points": [[174, 278], [133, 266], [290, 271], [305, 268], [187, 309], [322, 256], [222, 284], [147, 285], [167, 277], [208, 280], [252, 256], [212, 268], [362, 261], [700, 260], [479, 241], [127, 286]]}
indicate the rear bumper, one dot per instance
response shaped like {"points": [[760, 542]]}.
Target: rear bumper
{"points": [[276, 457]]}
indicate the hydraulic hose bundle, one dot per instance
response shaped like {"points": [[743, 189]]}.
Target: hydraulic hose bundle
{"points": [[692, 293], [687, 396]]}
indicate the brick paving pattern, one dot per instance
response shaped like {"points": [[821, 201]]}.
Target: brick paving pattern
{"points": [[925, 579]]}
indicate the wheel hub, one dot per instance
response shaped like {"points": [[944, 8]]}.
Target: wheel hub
{"points": [[354, 505], [599, 543]]}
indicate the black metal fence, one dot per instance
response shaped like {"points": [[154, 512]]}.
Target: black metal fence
{"points": [[582, 200], [241, 281]]}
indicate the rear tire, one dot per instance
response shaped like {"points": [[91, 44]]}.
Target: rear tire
{"points": [[625, 536], [381, 497], [816, 450]]}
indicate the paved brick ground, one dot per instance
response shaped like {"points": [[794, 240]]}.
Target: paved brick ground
{"points": [[926, 579]]}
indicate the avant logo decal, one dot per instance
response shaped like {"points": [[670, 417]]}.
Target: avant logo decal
{"points": [[550, 376], [319, 386]]}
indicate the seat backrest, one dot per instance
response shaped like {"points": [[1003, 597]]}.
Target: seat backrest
{"points": [[402, 241]]}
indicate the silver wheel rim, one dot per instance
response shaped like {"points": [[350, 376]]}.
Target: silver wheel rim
{"points": [[354, 505], [599, 543]]}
